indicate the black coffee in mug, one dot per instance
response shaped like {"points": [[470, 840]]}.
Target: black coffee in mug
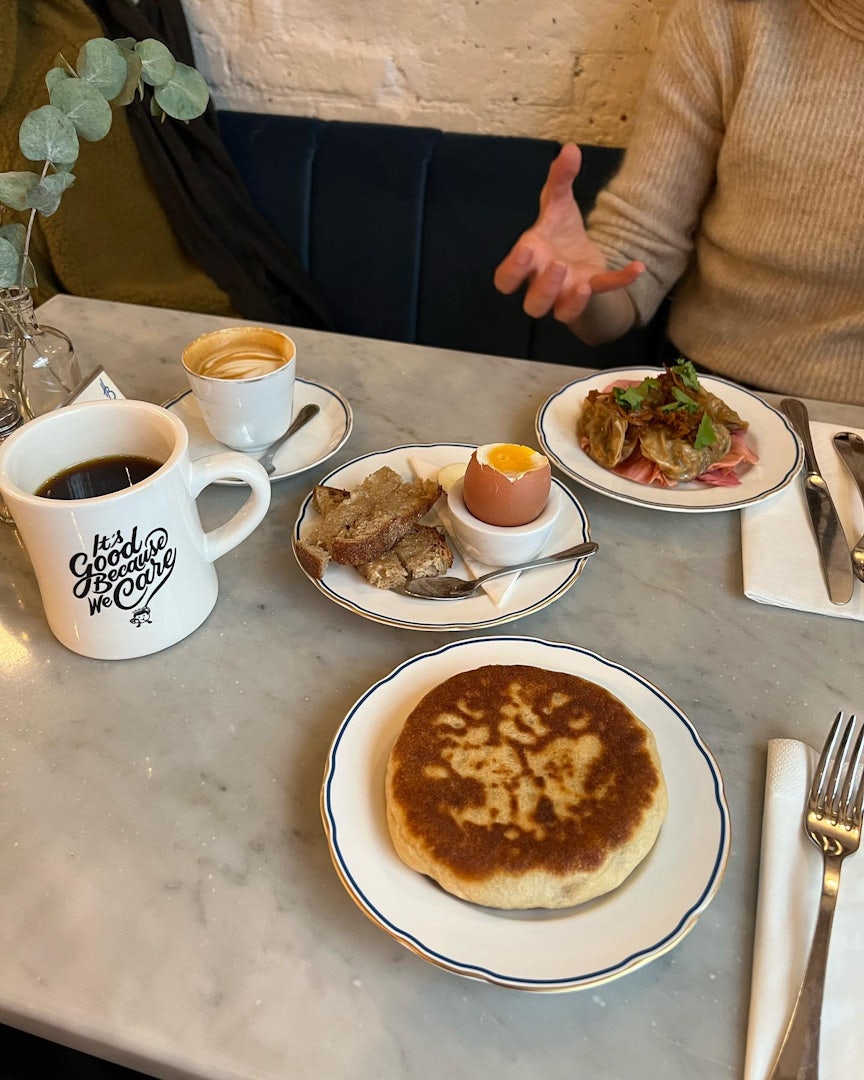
{"points": [[100, 476]]}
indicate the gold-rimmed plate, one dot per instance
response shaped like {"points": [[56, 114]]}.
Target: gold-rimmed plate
{"points": [[570, 949]]}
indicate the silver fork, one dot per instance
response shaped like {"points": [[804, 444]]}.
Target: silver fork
{"points": [[832, 820]]}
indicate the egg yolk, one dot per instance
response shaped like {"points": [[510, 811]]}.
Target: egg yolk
{"points": [[511, 459]]}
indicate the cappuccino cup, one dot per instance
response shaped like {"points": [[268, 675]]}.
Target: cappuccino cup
{"points": [[104, 498], [243, 380]]}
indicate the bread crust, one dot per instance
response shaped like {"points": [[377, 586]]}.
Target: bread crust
{"points": [[517, 787]]}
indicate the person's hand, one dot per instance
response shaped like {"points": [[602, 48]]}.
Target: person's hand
{"points": [[556, 257]]}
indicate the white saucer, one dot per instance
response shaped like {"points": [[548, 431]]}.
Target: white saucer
{"points": [[314, 443]]}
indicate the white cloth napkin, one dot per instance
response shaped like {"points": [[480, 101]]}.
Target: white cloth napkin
{"points": [[778, 548], [790, 878], [496, 589]]}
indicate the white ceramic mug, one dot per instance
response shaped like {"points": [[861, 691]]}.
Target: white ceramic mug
{"points": [[128, 573], [243, 380]]}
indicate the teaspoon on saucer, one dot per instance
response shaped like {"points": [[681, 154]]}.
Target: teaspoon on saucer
{"points": [[300, 420], [454, 588]]}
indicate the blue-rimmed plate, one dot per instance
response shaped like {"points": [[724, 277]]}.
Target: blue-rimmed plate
{"points": [[531, 592], [770, 435], [570, 949]]}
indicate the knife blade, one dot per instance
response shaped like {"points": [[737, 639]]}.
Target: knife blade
{"points": [[850, 447], [827, 528]]}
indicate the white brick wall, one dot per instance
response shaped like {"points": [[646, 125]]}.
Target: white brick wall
{"points": [[553, 69]]}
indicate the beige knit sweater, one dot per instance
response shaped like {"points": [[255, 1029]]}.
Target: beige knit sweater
{"points": [[744, 184]]}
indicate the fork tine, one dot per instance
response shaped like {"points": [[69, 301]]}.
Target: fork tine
{"points": [[816, 801], [834, 805], [852, 799]]}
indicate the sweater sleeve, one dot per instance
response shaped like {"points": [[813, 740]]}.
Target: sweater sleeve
{"points": [[650, 210]]}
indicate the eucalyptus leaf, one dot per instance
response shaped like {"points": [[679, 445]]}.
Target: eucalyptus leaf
{"points": [[28, 274], [127, 44], [61, 62], [15, 187], [10, 264], [185, 96], [64, 166], [133, 80], [47, 134], [157, 63], [54, 76], [85, 106], [15, 233], [45, 197], [103, 65]]}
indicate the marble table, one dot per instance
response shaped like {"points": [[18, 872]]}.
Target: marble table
{"points": [[168, 901]]}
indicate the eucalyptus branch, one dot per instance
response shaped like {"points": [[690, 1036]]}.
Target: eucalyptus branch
{"points": [[106, 73], [31, 221]]}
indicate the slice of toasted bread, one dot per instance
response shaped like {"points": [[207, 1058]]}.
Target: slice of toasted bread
{"points": [[325, 499], [366, 524], [422, 552], [385, 572]]}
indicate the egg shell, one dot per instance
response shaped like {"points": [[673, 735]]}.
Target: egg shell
{"points": [[494, 498]]}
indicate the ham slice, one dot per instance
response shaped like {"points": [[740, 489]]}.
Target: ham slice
{"points": [[722, 473]]}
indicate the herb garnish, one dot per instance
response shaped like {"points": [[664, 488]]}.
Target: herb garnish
{"points": [[705, 435], [633, 397], [683, 400], [687, 373], [676, 396]]}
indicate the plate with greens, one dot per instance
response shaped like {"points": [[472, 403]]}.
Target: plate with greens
{"points": [[652, 429]]}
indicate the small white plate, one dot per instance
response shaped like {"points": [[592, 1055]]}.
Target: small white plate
{"points": [[532, 591], [770, 435], [569, 949], [314, 443]]}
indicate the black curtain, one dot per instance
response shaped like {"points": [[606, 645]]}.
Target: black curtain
{"points": [[202, 193]]}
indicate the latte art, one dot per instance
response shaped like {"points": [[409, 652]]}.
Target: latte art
{"points": [[243, 381], [237, 362]]}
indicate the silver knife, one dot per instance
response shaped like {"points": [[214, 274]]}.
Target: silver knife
{"points": [[827, 528], [850, 447]]}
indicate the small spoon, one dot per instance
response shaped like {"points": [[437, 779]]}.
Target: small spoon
{"points": [[454, 588], [300, 420]]}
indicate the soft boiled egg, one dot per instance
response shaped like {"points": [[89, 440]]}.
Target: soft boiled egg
{"points": [[506, 484]]}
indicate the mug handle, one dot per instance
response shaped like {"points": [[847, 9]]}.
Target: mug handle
{"points": [[232, 466]]}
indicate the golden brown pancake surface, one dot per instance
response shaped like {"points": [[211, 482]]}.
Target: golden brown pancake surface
{"points": [[515, 786]]}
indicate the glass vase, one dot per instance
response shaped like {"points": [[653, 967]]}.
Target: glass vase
{"points": [[38, 367]]}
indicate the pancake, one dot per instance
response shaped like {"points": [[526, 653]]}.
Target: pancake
{"points": [[517, 787]]}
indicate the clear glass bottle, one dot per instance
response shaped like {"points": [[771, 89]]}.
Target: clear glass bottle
{"points": [[10, 419], [38, 367]]}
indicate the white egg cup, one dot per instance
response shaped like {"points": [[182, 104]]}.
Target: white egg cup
{"points": [[500, 545]]}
